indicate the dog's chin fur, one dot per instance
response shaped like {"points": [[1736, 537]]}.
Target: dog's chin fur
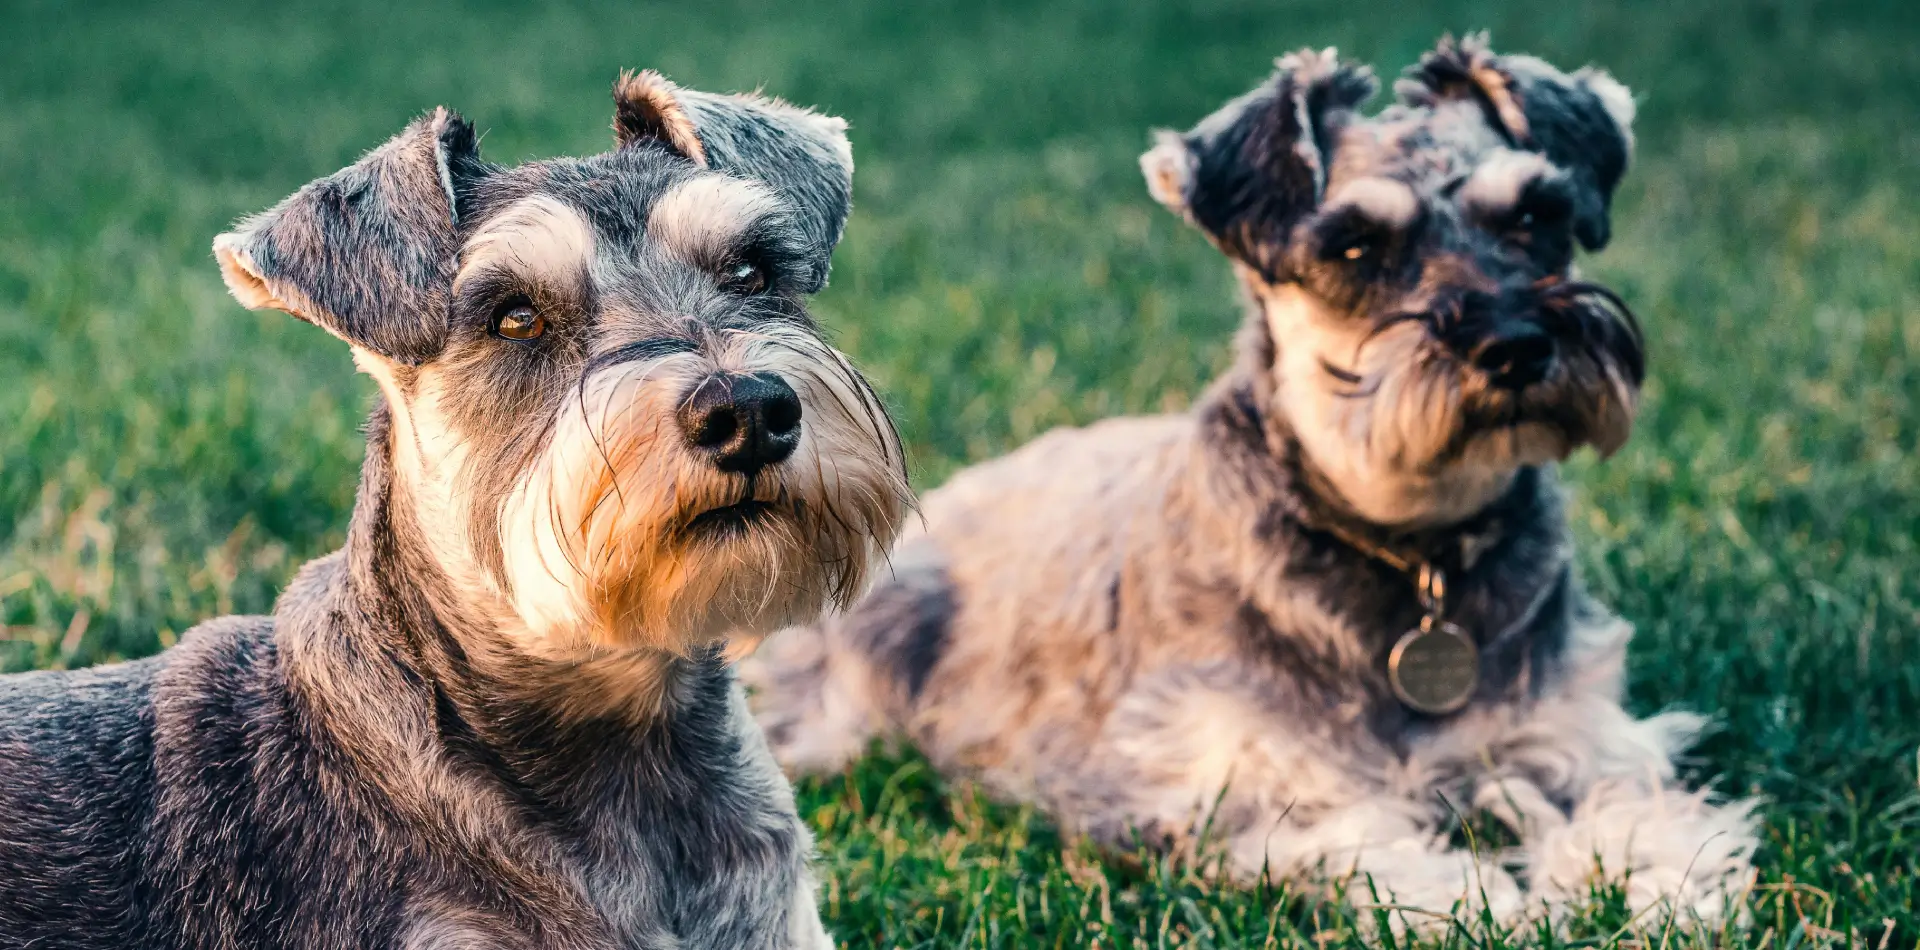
{"points": [[622, 537], [1419, 440]]}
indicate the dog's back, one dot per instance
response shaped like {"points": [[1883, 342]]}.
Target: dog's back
{"points": [[168, 803], [76, 794]]}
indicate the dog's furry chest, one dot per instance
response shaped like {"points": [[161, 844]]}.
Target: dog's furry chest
{"points": [[664, 835], [1326, 642]]}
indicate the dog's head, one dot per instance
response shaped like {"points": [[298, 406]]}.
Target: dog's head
{"points": [[612, 417], [1421, 320]]}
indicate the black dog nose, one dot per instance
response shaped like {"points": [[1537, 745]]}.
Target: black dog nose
{"points": [[1515, 356], [747, 422]]}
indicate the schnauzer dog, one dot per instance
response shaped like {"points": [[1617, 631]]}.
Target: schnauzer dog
{"points": [[613, 450], [1334, 603]]}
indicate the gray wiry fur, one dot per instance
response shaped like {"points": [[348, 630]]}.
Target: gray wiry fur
{"points": [[1155, 626], [502, 715]]}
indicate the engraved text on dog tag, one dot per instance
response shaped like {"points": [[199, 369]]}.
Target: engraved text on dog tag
{"points": [[1434, 668]]}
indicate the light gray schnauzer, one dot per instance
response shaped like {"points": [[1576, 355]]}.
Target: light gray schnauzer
{"points": [[613, 449], [1334, 602]]}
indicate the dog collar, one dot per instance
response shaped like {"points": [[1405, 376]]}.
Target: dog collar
{"points": [[1433, 669]]}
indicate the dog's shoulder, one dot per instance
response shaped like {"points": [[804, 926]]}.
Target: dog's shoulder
{"points": [[81, 776], [72, 743], [1051, 525], [72, 703], [248, 781], [75, 787], [220, 656]]}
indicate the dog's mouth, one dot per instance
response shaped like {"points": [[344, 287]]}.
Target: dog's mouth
{"points": [[1544, 422], [731, 520]]}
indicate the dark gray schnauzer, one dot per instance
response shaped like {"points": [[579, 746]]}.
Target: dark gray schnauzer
{"points": [[613, 451], [1335, 601]]}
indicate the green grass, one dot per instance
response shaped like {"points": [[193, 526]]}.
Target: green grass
{"points": [[166, 456]]}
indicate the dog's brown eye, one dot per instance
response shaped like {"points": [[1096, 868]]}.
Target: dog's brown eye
{"points": [[519, 321], [1354, 249], [1540, 210], [747, 278]]}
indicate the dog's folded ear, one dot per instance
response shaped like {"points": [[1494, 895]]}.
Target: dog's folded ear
{"points": [[366, 253], [1582, 122], [803, 155], [1247, 173]]}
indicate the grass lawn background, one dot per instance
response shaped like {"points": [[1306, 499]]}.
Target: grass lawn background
{"points": [[166, 456]]}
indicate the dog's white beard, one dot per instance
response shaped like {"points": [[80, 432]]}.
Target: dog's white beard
{"points": [[596, 544], [1402, 445]]}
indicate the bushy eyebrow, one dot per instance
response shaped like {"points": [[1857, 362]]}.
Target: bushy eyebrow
{"points": [[710, 220], [1380, 200], [1500, 182], [538, 237]]}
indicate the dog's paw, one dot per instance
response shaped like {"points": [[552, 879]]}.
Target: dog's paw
{"points": [[1677, 854], [1430, 891]]}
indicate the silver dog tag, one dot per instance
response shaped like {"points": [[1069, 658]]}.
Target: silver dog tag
{"points": [[1434, 668]]}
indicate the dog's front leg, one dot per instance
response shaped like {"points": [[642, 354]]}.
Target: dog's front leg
{"points": [[762, 896], [804, 929], [1205, 750], [1382, 850], [452, 925], [1592, 792], [1594, 795], [763, 901], [1673, 851]]}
